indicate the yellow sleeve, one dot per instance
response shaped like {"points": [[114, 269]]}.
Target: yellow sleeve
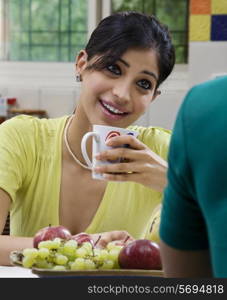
{"points": [[153, 225], [12, 157], [156, 138]]}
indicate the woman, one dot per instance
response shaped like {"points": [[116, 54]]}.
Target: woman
{"points": [[44, 179]]}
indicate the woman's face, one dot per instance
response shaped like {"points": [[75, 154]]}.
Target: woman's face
{"points": [[119, 94]]}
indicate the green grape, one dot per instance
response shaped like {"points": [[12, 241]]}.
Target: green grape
{"points": [[43, 263], [100, 255], [45, 244], [103, 254], [71, 258], [70, 263], [89, 252], [31, 252], [78, 264], [59, 268], [113, 245], [89, 264], [56, 243], [51, 257], [70, 247], [60, 259], [96, 251], [110, 245], [113, 254], [43, 252], [88, 246], [107, 264], [28, 261], [81, 252]]}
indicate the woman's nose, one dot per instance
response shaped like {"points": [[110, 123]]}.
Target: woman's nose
{"points": [[122, 92]]}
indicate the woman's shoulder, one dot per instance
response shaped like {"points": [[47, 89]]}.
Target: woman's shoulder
{"points": [[25, 124], [151, 133], [156, 138]]}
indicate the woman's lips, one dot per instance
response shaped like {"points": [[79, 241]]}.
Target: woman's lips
{"points": [[112, 111]]}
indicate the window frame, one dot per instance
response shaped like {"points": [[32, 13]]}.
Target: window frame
{"points": [[37, 74], [97, 10], [186, 44], [95, 14]]}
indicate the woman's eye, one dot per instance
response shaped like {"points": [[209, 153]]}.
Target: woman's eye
{"points": [[114, 69], [145, 84]]}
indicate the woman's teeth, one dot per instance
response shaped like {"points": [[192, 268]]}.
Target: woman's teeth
{"points": [[112, 109]]}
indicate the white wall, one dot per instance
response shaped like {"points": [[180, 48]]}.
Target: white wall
{"points": [[206, 61], [49, 86]]}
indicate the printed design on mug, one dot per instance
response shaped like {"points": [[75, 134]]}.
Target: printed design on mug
{"points": [[112, 134]]}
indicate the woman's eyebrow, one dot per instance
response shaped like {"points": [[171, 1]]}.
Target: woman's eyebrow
{"points": [[151, 74], [124, 62], [144, 71]]}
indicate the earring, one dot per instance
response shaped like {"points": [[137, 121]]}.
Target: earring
{"points": [[78, 78]]}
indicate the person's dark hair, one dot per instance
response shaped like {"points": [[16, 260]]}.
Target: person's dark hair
{"points": [[119, 32]]}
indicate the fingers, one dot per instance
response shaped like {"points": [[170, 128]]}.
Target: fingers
{"points": [[126, 168], [118, 168], [128, 140], [120, 153], [128, 154], [107, 237]]}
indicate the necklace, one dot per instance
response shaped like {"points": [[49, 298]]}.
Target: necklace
{"points": [[68, 147]]}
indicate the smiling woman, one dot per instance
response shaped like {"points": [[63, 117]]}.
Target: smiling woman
{"points": [[126, 59]]}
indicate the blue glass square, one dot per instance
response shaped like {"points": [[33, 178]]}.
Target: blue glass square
{"points": [[219, 28]]}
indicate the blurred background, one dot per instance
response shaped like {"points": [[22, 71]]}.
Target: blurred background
{"points": [[40, 39]]}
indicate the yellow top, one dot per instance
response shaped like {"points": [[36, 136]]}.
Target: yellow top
{"points": [[30, 171]]}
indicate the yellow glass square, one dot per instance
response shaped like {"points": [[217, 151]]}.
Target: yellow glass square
{"points": [[199, 27], [219, 7]]}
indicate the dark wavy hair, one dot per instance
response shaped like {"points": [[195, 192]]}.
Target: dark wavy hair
{"points": [[119, 32]]}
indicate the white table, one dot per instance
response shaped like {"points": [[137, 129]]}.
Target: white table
{"points": [[16, 272]]}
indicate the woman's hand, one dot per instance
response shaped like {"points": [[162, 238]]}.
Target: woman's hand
{"points": [[139, 163], [103, 238]]}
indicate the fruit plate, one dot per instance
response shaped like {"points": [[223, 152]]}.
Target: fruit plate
{"points": [[15, 258], [112, 272]]}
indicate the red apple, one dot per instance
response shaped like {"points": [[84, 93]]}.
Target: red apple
{"points": [[140, 254], [82, 237], [50, 233]]}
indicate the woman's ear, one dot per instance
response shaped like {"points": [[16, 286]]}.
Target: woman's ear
{"points": [[81, 62], [156, 93]]}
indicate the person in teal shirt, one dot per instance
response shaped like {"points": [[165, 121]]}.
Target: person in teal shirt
{"points": [[193, 227]]}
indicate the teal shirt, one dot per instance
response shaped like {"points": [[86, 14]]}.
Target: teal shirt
{"points": [[194, 215]]}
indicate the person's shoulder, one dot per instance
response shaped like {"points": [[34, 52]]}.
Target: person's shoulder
{"points": [[17, 124], [30, 126], [216, 87], [156, 138], [219, 82], [31, 122], [151, 132], [210, 94]]}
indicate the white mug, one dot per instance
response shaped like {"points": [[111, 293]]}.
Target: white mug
{"points": [[100, 135]]}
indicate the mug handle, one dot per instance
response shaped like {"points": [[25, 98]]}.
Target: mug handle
{"points": [[84, 144]]}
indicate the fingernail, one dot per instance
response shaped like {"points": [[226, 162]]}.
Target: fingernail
{"points": [[97, 170], [109, 142], [98, 156]]}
